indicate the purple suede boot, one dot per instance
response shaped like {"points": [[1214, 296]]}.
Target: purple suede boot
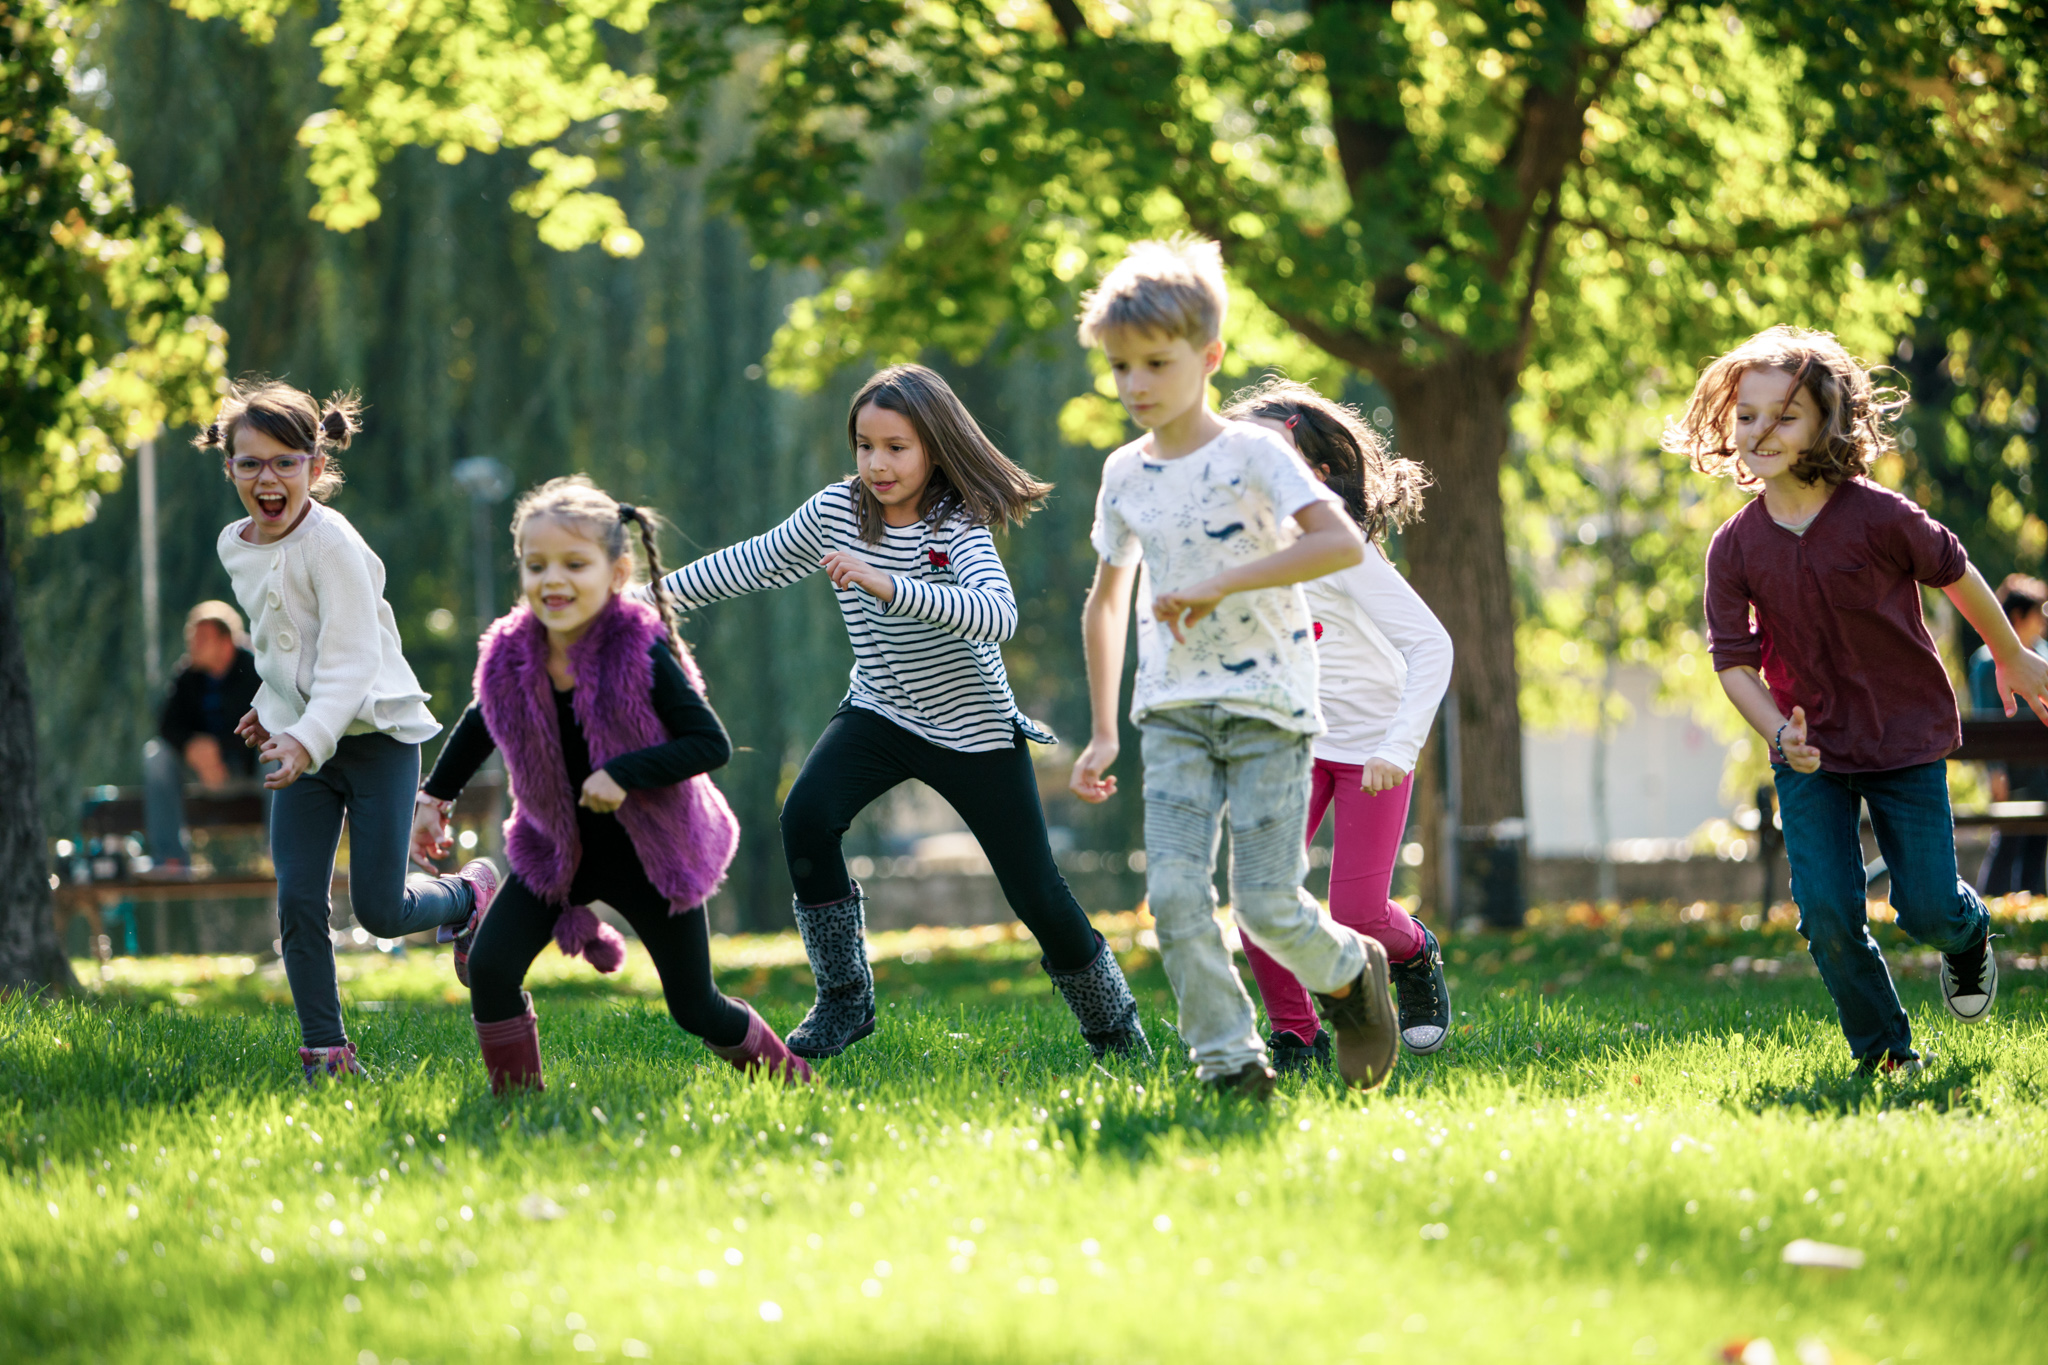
{"points": [[761, 1050], [511, 1049]]}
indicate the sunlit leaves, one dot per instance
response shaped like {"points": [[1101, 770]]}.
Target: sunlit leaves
{"points": [[106, 332], [459, 76]]}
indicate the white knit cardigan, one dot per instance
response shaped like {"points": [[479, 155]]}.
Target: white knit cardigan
{"points": [[326, 643]]}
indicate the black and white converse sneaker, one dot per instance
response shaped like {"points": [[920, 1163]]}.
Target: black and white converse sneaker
{"points": [[1423, 998], [1292, 1057], [1969, 981]]}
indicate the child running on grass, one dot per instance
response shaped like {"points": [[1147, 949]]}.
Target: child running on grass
{"points": [[1198, 512], [339, 715], [1383, 662], [599, 710], [1813, 615], [926, 603]]}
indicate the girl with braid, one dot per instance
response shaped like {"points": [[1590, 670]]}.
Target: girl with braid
{"points": [[600, 712]]}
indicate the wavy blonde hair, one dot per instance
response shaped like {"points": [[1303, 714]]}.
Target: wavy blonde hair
{"points": [[1855, 412]]}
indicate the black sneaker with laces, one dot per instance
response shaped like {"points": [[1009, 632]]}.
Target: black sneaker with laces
{"points": [[1292, 1057], [1969, 981], [1423, 998]]}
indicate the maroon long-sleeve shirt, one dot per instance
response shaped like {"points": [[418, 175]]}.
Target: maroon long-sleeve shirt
{"points": [[1837, 625]]}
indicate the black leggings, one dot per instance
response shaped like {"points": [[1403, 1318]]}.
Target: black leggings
{"points": [[520, 924], [862, 755]]}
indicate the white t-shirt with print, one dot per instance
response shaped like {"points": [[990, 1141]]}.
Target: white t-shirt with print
{"points": [[1227, 503]]}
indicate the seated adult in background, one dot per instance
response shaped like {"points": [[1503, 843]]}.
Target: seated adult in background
{"points": [[214, 687], [2014, 862]]}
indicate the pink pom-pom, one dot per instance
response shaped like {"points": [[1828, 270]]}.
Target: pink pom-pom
{"points": [[578, 931], [605, 950]]}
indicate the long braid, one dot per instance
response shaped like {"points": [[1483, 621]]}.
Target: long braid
{"points": [[663, 603]]}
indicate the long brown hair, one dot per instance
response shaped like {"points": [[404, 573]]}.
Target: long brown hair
{"points": [[969, 477], [1855, 413], [597, 516], [293, 418], [1381, 490]]}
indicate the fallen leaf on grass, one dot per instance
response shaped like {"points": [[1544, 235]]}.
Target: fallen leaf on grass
{"points": [[540, 1208], [1822, 1255], [1756, 1351]]}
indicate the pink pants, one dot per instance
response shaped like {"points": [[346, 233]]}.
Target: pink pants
{"points": [[1368, 839]]}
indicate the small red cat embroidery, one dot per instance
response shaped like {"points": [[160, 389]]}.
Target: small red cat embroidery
{"points": [[938, 558]]}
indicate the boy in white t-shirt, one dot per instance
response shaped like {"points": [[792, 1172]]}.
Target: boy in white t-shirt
{"points": [[1220, 522]]}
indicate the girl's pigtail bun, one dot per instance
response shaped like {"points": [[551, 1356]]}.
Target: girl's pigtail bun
{"points": [[212, 438], [663, 603], [341, 420]]}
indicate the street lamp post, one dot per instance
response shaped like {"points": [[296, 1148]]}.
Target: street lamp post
{"points": [[488, 483]]}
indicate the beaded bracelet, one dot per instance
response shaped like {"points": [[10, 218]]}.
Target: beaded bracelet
{"points": [[1778, 743]]}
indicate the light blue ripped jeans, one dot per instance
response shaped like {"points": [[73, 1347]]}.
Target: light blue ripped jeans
{"points": [[1201, 761]]}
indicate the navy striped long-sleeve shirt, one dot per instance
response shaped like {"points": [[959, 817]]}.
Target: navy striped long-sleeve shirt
{"points": [[930, 659]]}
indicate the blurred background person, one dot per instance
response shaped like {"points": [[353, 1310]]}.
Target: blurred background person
{"points": [[2014, 862], [214, 686]]}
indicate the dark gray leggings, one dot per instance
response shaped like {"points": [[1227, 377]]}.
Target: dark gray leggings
{"points": [[369, 784]]}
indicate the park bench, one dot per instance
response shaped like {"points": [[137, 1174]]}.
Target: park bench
{"points": [[101, 869], [1988, 737]]}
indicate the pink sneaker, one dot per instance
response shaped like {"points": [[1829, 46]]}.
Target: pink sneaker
{"points": [[482, 877], [321, 1062], [762, 1050]]}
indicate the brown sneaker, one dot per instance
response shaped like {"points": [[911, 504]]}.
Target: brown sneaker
{"points": [[1368, 1034], [1252, 1081]]}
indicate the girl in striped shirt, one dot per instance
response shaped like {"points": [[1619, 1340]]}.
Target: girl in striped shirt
{"points": [[927, 604]]}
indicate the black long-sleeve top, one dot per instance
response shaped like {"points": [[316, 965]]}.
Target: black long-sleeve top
{"points": [[697, 743]]}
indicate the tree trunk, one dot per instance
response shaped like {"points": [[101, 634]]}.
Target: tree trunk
{"points": [[1453, 417], [30, 956]]}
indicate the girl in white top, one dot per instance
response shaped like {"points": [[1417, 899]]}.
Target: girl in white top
{"points": [[1383, 663], [339, 717]]}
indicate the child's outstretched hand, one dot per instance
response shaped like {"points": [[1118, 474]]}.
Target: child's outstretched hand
{"points": [[2027, 678], [291, 759], [1184, 609], [1090, 782], [847, 569], [251, 730], [1381, 776], [601, 793], [430, 837], [1803, 757]]}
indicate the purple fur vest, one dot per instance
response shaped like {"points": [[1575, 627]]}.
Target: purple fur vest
{"points": [[685, 834]]}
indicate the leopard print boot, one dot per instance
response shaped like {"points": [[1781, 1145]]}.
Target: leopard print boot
{"points": [[1102, 1001], [835, 940]]}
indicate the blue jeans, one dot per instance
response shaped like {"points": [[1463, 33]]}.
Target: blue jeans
{"points": [[370, 783], [1199, 762], [163, 801], [1909, 813]]}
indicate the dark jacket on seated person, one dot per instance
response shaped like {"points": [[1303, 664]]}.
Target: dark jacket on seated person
{"points": [[200, 704]]}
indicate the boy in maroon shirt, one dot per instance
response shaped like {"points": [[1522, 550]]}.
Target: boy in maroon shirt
{"points": [[1813, 615]]}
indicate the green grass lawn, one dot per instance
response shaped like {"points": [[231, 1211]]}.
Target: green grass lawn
{"points": [[1632, 1122]]}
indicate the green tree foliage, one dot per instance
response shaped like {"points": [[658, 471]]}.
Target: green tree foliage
{"points": [[467, 336], [105, 335], [1467, 200]]}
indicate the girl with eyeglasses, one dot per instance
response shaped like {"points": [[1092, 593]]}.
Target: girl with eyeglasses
{"points": [[339, 718]]}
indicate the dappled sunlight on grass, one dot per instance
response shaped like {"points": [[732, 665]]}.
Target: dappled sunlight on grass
{"points": [[1604, 1164]]}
